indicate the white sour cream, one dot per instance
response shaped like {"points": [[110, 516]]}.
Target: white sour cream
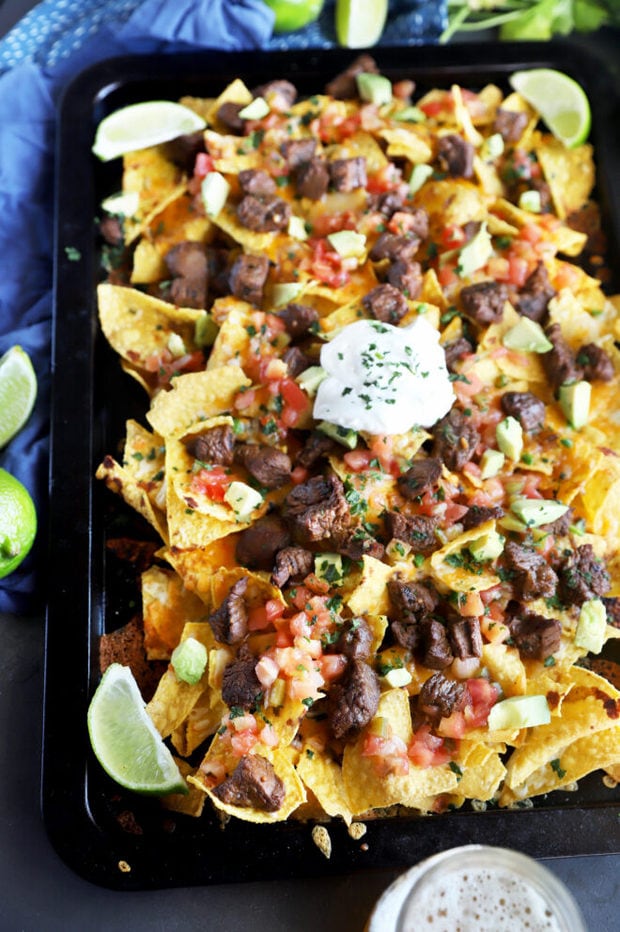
{"points": [[384, 379]]}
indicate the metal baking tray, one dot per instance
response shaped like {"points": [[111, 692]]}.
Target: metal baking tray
{"points": [[119, 840]]}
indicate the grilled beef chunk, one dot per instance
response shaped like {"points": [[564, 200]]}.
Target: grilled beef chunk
{"points": [[597, 364], [561, 526], [478, 514], [317, 509], [298, 318], [510, 124], [531, 575], [348, 174], [214, 446], [411, 599], [416, 530], [184, 149], [291, 564], [535, 295], [417, 222], [456, 350], [187, 261], [316, 446], [257, 182], [247, 278], [228, 114], [353, 701], [407, 277], [583, 577], [612, 606], [386, 303], [465, 638], [258, 544], [455, 439], [312, 179], [436, 650], [269, 466], [188, 292], [560, 363], [526, 408], [536, 637], [440, 697], [264, 215], [355, 544], [344, 85], [484, 301], [111, 229], [229, 622], [280, 94], [420, 477], [296, 361], [354, 640], [456, 156], [252, 784], [407, 633], [298, 151], [240, 684], [386, 203], [395, 247]]}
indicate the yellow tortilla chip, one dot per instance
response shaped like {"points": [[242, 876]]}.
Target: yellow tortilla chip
{"points": [[156, 180], [191, 803], [568, 172], [451, 566], [323, 777], [409, 143], [236, 92], [122, 482], [174, 698], [195, 397], [482, 772], [166, 606], [369, 597], [203, 721]]}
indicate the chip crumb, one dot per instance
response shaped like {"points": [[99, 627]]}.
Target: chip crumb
{"points": [[357, 830], [364, 847], [124, 867], [478, 805], [609, 782], [320, 837]]}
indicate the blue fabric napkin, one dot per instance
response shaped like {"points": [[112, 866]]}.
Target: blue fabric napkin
{"points": [[56, 40]]}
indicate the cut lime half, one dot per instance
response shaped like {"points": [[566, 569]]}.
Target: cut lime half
{"points": [[294, 14], [359, 23], [18, 523], [139, 126], [18, 391], [125, 740], [561, 102]]}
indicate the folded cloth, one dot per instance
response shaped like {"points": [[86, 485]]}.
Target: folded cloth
{"points": [[56, 40]]}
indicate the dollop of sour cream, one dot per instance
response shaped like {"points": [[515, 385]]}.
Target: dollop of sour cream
{"points": [[384, 379]]}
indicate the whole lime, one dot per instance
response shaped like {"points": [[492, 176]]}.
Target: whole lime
{"points": [[294, 14], [18, 523]]}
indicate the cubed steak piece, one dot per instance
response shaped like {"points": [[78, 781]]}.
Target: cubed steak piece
{"points": [[253, 784]]}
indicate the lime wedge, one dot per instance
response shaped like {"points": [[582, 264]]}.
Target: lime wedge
{"points": [[294, 14], [18, 391], [561, 102], [141, 125], [125, 740], [18, 523], [359, 23]]}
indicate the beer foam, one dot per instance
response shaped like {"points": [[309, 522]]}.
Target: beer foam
{"points": [[478, 899]]}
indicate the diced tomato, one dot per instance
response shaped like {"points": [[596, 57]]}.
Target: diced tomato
{"points": [[494, 630], [332, 666], [212, 482], [257, 619], [518, 270], [452, 236], [567, 276], [203, 165], [491, 595], [531, 233], [245, 399], [299, 475], [243, 742], [403, 89], [296, 402], [358, 460], [266, 671], [326, 265], [269, 736], [389, 753], [530, 486], [386, 179], [212, 771], [447, 275], [484, 695], [469, 604], [466, 390], [284, 637], [433, 108], [428, 750], [300, 625], [306, 685], [453, 726], [316, 584], [332, 223], [454, 512], [401, 222]]}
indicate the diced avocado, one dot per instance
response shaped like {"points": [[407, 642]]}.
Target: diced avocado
{"points": [[124, 204], [297, 228], [283, 292], [375, 88], [530, 200], [255, 110], [277, 694], [537, 511], [475, 253], [205, 330], [509, 523], [419, 175], [189, 660], [345, 436], [527, 336], [176, 345], [509, 436], [310, 379], [329, 566], [398, 677], [590, 633], [519, 712], [243, 499], [410, 115], [348, 244], [492, 147], [491, 462], [575, 403], [487, 547], [380, 727], [214, 190]]}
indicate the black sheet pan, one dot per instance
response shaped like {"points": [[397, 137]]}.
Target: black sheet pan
{"points": [[122, 841]]}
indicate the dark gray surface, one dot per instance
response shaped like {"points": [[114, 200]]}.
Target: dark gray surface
{"points": [[39, 893]]}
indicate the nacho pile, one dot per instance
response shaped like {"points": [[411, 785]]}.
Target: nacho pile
{"points": [[391, 622]]}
